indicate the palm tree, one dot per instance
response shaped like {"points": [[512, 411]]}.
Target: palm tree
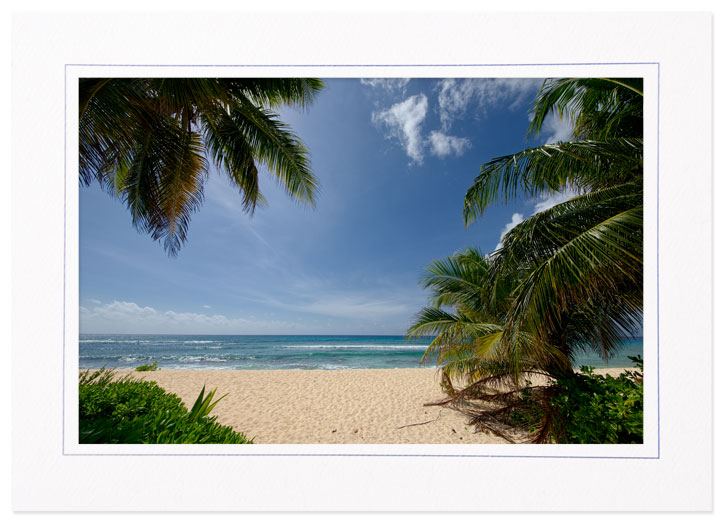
{"points": [[470, 302], [583, 258], [148, 141], [565, 279]]}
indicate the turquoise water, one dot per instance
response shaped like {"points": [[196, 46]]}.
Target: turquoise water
{"points": [[245, 352]]}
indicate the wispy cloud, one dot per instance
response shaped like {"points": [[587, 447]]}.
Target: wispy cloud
{"points": [[403, 122], [353, 306], [381, 300], [390, 85], [443, 145], [129, 317], [458, 97], [227, 201]]}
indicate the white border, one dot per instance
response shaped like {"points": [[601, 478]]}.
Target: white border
{"points": [[44, 478]]}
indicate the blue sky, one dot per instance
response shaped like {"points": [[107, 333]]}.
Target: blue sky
{"points": [[394, 158]]}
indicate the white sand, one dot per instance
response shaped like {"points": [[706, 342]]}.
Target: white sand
{"points": [[328, 406]]}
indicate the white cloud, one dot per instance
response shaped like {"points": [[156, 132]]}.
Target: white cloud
{"points": [[549, 200], [518, 90], [206, 306], [403, 122], [444, 145], [356, 310], [388, 84], [456, 96], [516, 219], [122, 317], [543, 202], [556, 129]]}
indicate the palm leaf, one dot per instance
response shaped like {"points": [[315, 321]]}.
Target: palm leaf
{"points": [[143, 141], [273, 143], [597, 107], [584, 165]]}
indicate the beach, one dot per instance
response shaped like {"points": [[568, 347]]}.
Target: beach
{"points": [[361, 406]]}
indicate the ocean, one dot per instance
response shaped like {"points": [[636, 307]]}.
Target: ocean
{"points": [[274, 352]]}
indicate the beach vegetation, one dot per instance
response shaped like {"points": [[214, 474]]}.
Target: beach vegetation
{"points": [[203, 405], [592, 408], [148, 368], [585, 408], [149, 143], [127, 410], [565, 280]]}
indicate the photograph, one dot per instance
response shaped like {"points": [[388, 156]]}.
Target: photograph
{"points": [[369, 260], [308, 261]]}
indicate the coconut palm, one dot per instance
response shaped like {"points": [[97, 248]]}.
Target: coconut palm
{"points": [[467, 315], [584, 258], [149, 141], [566, 279]]}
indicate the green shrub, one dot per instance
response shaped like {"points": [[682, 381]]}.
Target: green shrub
{"points": [[585, 408], [148, 368], [129, 410], [600, 409]]}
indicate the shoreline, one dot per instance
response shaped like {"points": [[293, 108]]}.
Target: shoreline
{"points": [[350, 406]]}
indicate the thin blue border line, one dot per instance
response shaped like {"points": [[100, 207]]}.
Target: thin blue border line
{"points": [[658, 260], [373, 65], [381, 455], [65, 226], [65, 102]]}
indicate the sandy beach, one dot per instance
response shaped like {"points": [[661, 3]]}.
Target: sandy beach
{"points": [[329, 406]]}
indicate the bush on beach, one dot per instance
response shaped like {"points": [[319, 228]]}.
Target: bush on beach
{"points": [[601, 409], [128, 411], [591, 408]]}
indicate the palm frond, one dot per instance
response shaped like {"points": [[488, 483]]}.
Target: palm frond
{"points": [[143, 140], [275, 92], [597, 107], [584, 165], [591, 263], [273, 143]]}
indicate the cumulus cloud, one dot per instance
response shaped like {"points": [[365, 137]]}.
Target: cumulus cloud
{"points": [[443, 145], [403, 122], [556, 129], [456, 97], [516, 219]]}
